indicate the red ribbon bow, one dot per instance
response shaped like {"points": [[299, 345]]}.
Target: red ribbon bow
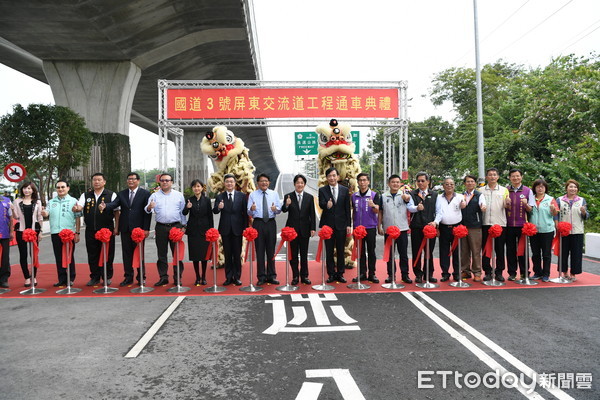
{"points": [[137, 235], [66, 237], [31, 236], [459, 232], [325, 233], [528, 229], [563, 229], [250, 234], [359, 233], [176, 236], [494, 232], [429, 232], [103, 235], [212, 235], [287, 235], [393, 233]]}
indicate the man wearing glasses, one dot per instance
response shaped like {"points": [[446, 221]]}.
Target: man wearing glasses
{"points": [[131, 202], [423, 213], [62, 216], [167, 205]]}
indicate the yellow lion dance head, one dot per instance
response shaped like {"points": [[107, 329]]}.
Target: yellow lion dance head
{"points": [[336, 142]]}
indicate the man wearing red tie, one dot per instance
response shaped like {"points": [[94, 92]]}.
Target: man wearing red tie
{"points": [[334, 200], [301, 217]]}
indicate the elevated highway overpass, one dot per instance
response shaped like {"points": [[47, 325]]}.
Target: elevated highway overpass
{"points": [[103, 58]]}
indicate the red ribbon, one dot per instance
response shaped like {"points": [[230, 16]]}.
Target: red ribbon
{"points": [[178, 252], [105, 248], [287, 235], [250, 244], [66, 254], [494, 232], [563, 229], [31, 236], [528, 229], [393, 233], [324, 233], [360, 232], [459, 232], [212, 235], [429, 232], [135, 263]]}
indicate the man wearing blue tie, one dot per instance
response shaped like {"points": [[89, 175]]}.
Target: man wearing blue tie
{"points": [[263, 206]]}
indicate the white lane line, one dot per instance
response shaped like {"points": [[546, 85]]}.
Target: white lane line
{"points": [[144, 340], [479, 353], [309, 391], [299, 316], [556, 392]]}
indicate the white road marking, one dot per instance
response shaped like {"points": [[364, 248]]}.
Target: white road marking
{"points": [[309, 391], [341, 314], [556, 392], [144, 340], [299, 316], [344, 381]]}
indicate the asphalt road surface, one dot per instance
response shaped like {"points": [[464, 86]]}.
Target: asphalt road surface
{"points": [[410, 345]]}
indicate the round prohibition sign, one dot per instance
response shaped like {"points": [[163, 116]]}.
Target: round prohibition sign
{"points": [[15, 172]]}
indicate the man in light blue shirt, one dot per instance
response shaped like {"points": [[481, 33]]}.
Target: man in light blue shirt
{"points": [[263, 206], [167, 205]]}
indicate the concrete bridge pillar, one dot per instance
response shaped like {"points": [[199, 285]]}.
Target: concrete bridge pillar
{"points": [[102, 93], [195, 163]]}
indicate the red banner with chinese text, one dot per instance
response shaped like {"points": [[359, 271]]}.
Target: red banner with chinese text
{"points": [[247, 103]]}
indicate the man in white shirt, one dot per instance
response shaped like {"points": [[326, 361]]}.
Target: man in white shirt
{"points": [[448, 215]]}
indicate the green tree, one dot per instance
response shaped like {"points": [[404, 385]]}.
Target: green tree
{"points": [[47, 140]]}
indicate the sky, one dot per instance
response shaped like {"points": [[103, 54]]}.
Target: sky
{"points": [[380, 40]]}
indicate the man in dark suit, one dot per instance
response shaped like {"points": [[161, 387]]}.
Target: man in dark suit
{"points": [[132, 202], [334, 200], [301, 217], [232, 206]]}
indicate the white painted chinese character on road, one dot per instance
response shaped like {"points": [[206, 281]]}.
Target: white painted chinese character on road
{"points": [[344, 381], [316, 302]]}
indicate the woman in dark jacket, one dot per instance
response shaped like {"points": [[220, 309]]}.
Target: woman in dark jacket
{"points": [[200, 220]]}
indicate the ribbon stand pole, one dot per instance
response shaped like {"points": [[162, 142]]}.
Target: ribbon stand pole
{"points": [[560, 278], [287, 287], [32, 289], [323, 285], [178, 288], [460, 283], [526, 281], [358, 285], [105, 289], [142, 288], [251, 287], [393, 285], [494, 260], [215, 288], [68, 289], [427, 284]]}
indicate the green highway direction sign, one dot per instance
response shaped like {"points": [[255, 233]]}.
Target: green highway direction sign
{"points": [[307, 143]]}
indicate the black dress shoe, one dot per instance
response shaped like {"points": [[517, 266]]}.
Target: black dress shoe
{"points": [[406, 279], [126, 282], [57, 284], [93, 282], [487, 278], [260, 282], [445, 278], [432, 280], [203, 282], [294, 281], [237, 282], [388, 279], [4, 285], [197, 283], [341, 279], [499, 278], [373, 279], [162, 282], [456, 278], [273, 281], [331, 279], [418, 279], [227, 282], [362, 278], [306, 281]]}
